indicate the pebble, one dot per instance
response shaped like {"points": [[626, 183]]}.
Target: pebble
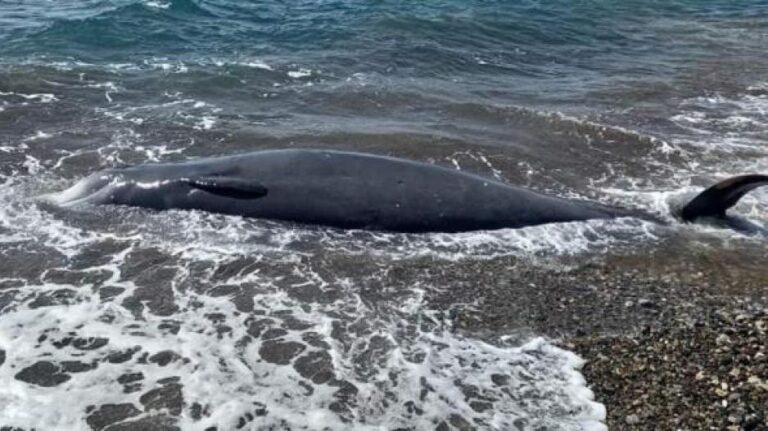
{"points": [[684, 376], [646, 303], [722, 340]]}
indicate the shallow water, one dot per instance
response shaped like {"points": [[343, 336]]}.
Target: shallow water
{"points": [[270, 324]]}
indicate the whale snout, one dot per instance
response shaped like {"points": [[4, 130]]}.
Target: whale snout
{"points": [[84, 190]]}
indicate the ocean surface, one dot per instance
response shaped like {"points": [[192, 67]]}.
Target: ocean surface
{"points": [[194, 320]]}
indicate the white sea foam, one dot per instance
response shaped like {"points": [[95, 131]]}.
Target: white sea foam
{"points": [[258, 64], [476, 157], [40, 97], [300, 73], [152, 4], [37, 136], [166, 65], [205, 123], [32, 164], [197, 114], [532, 385], [109, 87], [156, 153], [725, 123]]}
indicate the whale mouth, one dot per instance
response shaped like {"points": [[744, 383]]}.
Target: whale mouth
{"points": [[82, 191]]}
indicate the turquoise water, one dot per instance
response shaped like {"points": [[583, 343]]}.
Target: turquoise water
{"points": [[391, 63], [551, 51], [632, 103]]}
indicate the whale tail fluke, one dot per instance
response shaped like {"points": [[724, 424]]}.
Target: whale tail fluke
{"points": [[715, 201]]}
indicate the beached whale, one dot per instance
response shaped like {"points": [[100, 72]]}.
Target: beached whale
{"points": [[360, 191]]}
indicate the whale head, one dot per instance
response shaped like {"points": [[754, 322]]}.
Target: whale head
{"points": [[157, 187], [120, 186], [88, 190]]}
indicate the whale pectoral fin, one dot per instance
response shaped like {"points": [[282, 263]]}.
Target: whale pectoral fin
{"points": [[715, 201], [231, 187]]}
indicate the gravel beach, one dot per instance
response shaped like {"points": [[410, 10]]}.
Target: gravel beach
{"points": [[671, 342]]}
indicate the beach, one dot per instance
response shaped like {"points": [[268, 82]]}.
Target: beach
{"points": [[665, 347], [117, 317]]}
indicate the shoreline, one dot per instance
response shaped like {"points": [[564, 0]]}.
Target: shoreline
{"points": [[674, 345]]}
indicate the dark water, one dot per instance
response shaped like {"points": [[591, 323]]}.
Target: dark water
{"points": [[638, 103]]}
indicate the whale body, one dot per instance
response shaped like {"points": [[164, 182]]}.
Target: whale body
{"points": [[351, 190]]}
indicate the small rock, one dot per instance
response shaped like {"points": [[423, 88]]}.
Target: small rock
{"points": [[647, 303], [761, 325], [722, 340], [752, 421], [632, 420]]}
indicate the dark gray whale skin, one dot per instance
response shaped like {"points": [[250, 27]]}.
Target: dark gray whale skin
{"points": [[365, 191], [334, 188]]}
